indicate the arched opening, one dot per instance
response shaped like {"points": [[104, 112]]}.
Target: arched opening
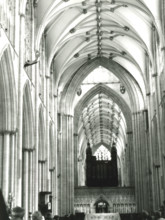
{"points": [[92, 110], [8, 125], [102, 207], [101, 118]]}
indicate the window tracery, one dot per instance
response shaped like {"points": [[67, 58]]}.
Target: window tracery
{"points": [[102, 153]]}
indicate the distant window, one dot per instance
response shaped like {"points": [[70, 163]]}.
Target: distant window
{"points": [[102, 153]]}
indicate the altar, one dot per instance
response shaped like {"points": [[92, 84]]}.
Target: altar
{"points": [[102, 216]]}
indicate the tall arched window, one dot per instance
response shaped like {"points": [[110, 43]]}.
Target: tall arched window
{"points": [[102, 153]]}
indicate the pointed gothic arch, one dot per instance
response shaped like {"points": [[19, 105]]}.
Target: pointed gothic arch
{"points": [[135, 92], [8, 102], [8, 122]]}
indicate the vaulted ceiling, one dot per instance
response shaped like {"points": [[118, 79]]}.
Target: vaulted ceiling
{"points": [[103, 121], [80, 31]]}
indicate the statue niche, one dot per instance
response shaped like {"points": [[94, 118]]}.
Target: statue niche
{"points": [[101, 173]]}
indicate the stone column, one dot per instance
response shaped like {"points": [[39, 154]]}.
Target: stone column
{"points": [[136, 160], [67, 170], [25, 181], [75, 160], [145, 156], [6, 157], [150, 155], [1, 158], [163, 137], [59, 168], [130, 163], [31, 180], [41, 175], [64, 149], [36, 138], [51, 170], [71, 163], [47, 176], [157, 97], [55, 161], [12, 167], [20, 111]]}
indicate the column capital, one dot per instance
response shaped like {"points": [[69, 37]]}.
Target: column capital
{"points": [[42, 161], [136, 113], [154, 74], [28, 149], [8, 132], [22, 15], [75, 135], [52, 169], [156, 165], [47, 76], [71, 116], [129, 132]]}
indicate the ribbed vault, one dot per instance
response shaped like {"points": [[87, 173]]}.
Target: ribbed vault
{"points": [[102, 120], [102, 117], [80, 36], [79, 31]]}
